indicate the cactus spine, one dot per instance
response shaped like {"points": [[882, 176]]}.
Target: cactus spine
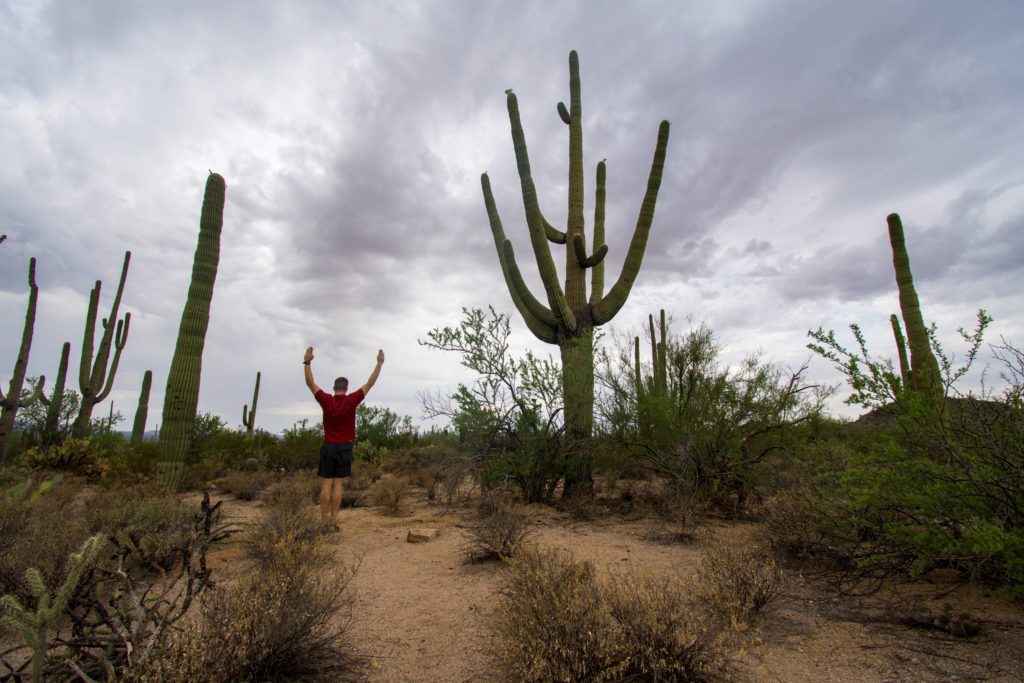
{"points": [[10, 403], [142, 412], [56, 400], [568, 318], [924, 372], [94, 379], [249, 416], [182, 394]]}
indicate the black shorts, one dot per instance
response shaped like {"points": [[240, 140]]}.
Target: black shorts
{"points": [[335, 460]]}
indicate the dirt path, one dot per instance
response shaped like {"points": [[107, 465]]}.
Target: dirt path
{"points": [[422, 610]]}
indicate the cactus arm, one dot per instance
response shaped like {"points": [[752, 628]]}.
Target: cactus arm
{"points": [[120, 339], [85, 366], [597, 274], [901, 349], [99, 368], [552, 233], [57, 395], [580, 251], [563, 114], [575, 278], [539, 319], [605, 309], [545, 264]]}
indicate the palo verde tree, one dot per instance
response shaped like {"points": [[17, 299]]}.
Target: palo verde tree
{"points": [[94, 380], [10, 402], [569, 316], [182, 394]]}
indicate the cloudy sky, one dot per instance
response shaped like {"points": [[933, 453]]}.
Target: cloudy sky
{"points": [[352, 136]]}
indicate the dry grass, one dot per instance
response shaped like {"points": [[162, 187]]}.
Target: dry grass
{"points": [[556, 621], [245, 485], [739, 583], [498, 535]]}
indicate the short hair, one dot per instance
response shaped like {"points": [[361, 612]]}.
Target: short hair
{"points": [[341, 384]]}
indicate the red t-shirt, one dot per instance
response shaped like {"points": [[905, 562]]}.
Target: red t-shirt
{"points": [[339, 415]]}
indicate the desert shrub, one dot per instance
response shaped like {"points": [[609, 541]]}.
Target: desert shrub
{"points": [[76, 456], [155, 525], [739, 583], [298, 447], [383, 427], [660, 635], [500, 533], [709, 427], [510, 415], [550, 621], [127, 464], [388, 493], [245, 485], [40, 532], [300, 488], [287, 523], [285, 622]]}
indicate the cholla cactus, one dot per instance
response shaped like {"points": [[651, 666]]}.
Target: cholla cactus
{"points": [[568, 316], [10, 403], [182, 394], [33, 626]]}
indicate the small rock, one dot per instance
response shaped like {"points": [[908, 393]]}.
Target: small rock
{"points": [[421, 535]]}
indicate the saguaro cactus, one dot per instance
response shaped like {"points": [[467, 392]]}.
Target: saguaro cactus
{"points": [[56, 400], [569, 317], [901, 350], [924, 369], [182, 394], [249, 416], [10, 403], [142, 412], [94, 379]]}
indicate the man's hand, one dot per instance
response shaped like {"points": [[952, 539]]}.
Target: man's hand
{"points": [[309, 354], [380, 356]]}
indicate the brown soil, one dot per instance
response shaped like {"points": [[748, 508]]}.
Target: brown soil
{"points": [[423, 610]]}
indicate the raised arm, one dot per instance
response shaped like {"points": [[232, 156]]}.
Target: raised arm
{"points": [[376, 371], [308, 369]]}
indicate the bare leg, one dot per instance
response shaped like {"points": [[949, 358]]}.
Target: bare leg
{"points": [[325, 500], [337, 489]]}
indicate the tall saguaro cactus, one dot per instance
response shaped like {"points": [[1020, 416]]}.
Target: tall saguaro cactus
{"points": [[182, 394], [94, 379], [569, 316], [924, 369], [56, 400], [10, 403], [249, 416], [142, 412]]}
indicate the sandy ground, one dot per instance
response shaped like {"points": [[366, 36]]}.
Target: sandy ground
{"points": [[422, 610]]}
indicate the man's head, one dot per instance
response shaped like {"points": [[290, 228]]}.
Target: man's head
{"points": [[341, 385]]}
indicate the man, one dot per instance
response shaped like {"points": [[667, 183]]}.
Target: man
{"points": [[339, 436]]}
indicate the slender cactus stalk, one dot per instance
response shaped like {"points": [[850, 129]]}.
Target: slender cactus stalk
{"points": [[142, 412], [10, 403], [566, 316], [94, 379], [182, 394], [901, 350], [249, 416]]}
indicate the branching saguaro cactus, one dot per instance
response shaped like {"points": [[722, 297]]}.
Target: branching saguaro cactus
{"points": [[569, 316], [182, 394], [657, 387], [924, 372], [10, 403], [94, 379], [249, 416], [56, 400], [142, 412]]}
